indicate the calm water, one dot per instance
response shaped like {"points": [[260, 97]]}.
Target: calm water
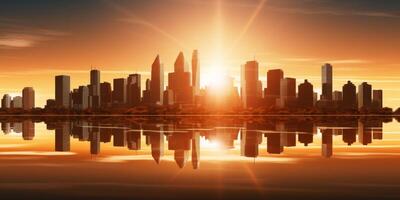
{"points": [[200, 157]]}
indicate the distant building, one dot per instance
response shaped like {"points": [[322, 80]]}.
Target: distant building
{"points": [[28, 98], [250, 85], [147, 93], [377, 98], [119, 92], [327, 83], [315, 98], [62, 88], [105, 94], [6, 101], [306, 95], [196, 73], [168, 97], [349, 96], [157, 82], [364, 95], [287, 93], [83, 98], [337, 96], [94, 89], [16, 102], [134, 90], [272, 92], [179, 82]]}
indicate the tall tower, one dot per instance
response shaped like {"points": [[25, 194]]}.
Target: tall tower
{"points": [[94, 88], [157, 81], [306, 94], [249, 84], [349, 95], [364, 95], [62, 91], [28, 98], [327, 82], [134, 87], [195, 72], [179, 82]]}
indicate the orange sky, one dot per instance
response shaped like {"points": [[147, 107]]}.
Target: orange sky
{"points": [[40, 40]]}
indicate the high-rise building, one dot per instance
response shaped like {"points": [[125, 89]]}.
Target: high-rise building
{"points": [[337, 96], [168, 97], [179, 82], [349, 96], [273, 89], [134, 87], [147, 93], [16, 102], [62, 91], [28, 98], [364, 95], [196, 72], [327, 83], [306, 95], [377, 98], [83, 98], [287, 93], [119, 91], [249, 85], [105, 94], [157, 81], [6, 101], [94, 88]]}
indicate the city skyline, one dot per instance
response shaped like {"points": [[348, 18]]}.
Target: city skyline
{"points": [[34, 44]]}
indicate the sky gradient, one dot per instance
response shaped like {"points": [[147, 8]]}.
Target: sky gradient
{"points": [[43, 38]]}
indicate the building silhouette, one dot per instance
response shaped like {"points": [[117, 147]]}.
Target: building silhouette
{"points": [[196, 73], [82, 98], [349, 96], [287, 93], [157, 82], [62, 92], [179, 82], [134, 87], [327, 83], [250, 85], [16, 102], [28, 98], [147, 93], [377, 98], [62, 136], [105, 95], [305, 95], [168, 97], [94, 89], [119, 91], [6, 101], [28, 130], [364, 95], [273, 90]]}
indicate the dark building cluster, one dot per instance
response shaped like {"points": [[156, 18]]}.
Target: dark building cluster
{"points": [[183, 139]]}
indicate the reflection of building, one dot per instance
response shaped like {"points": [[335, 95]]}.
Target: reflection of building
{"points": [[28, 98], [250, 85], [180, 142], [327, 142], [274, 143], [119, 137], [62, 91], [327, 82], [156, 142], [62, 138], [94, 136], [5, 127], [349, 136], [364, 133], [134, 140], [196, 150], [28, 130]]}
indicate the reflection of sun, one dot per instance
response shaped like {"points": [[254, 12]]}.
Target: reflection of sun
{"points": [[208, 144]]}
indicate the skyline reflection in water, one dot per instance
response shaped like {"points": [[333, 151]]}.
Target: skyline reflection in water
{"points": [[226, 153]]}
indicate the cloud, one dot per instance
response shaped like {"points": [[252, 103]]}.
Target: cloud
{"points": [[347, 61]]}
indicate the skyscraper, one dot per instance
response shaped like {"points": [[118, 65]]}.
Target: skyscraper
{"points": [[16, 102], [157, 82], [349, 96], [94, 88], [105, 94], [179, 82], [62, 91], [377, 98], [83, 98], [147, 93], [195, 72], [274, 77], [327, 83], [287, 93], [6, 101], [249, 84], [134, 89], [119, 91], [28, 98], [306, 94], [364, 95]]}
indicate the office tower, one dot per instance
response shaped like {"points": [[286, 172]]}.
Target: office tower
{"points": [[105, 94], [287, 93], [364, 95], [157, 81], [119, 92], [306, 95], [62, 91], [16, 102], [6, 101], [83, 97], [272, 92], [179, 82], [196, 73], [147, 93], [168, 97], [28, 130], [349, 96], [94, 89], [62, 136], [249, 85], [28, 98], [315, 98], [337, 96], [327, 83], [377, 98], [134, 89]]}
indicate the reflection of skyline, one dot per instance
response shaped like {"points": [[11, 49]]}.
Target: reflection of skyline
{"points": [[184, 140]]}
